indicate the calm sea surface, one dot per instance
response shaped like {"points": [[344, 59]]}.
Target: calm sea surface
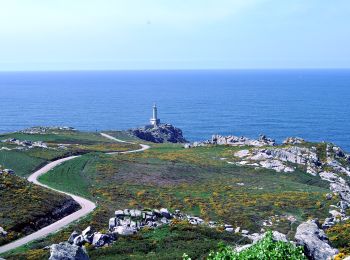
{"points": [[313, 104]]}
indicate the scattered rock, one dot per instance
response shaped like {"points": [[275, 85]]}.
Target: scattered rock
{"points": [[87, 231], [280, 158], [276, 165], [342, 189], [25, 143], [72, 237], [112, 223], [2, 232], [125, 230], [314, 240], [242, 141], [44, 129], [100, 240], [120, 213], [335, 214], [237, 229], [343, 205], [329, 196], [78, 241], [339, 152], [328, 222], [293, 140], [7, 171], [165, 213], [66, 251], [277, 236], [242, 153], [245, 232], [229, 229], [187, 145]]}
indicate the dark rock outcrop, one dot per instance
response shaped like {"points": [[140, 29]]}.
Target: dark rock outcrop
{"points": [[66, 207], [314, 240], [66, 251], [159, 134]]}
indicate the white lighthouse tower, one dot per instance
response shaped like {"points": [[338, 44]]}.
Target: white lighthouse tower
{"points": [[154, 120]]}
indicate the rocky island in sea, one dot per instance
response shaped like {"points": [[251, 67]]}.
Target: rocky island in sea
{"points": [[242, 193], [157, 132]]}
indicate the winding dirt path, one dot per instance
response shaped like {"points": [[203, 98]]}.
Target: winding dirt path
{"points": [[143, 146], [87, 206]]}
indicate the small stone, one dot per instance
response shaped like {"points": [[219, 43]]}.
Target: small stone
{"points": [[87, 231], [165, 213], [2, 232], [72, 237], [329, 196], [119, 213], [112, 223], [100, 240], [245, 232], [79, 240]]}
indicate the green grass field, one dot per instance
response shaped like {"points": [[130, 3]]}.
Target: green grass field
{"points": [[20, 162], [25, 162]]}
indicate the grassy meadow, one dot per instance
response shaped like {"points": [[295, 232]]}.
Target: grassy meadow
{"points": [[24, 162]]}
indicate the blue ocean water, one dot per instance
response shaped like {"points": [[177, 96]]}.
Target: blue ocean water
{"points": [[313, 104]]}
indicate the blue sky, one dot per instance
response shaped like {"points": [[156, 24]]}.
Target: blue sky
{"points": [[177, 34]]}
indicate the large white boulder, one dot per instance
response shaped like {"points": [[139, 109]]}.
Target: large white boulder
{"points": [[315, 241], [124, 230], [100, 239], [66, 251]]}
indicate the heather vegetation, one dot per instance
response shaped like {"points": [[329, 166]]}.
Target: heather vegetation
{"points": [[197, 181], [339, 236], [26, 207]]}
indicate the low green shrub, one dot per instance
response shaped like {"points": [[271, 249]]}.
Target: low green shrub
{"points": [[265, 249]]}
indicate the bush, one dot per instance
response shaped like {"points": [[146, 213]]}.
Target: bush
{"points": [[265, 249]]}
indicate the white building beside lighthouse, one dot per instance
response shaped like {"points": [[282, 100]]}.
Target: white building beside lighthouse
{"points": [[154, 120]]}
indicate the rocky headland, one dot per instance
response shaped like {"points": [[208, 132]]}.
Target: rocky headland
{"points": [[162, 133]]}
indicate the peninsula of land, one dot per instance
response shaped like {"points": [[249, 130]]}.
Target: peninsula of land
{"points": [[122, 194]]}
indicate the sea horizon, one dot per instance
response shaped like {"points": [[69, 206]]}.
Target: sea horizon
{"points": [[277, 102]]}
